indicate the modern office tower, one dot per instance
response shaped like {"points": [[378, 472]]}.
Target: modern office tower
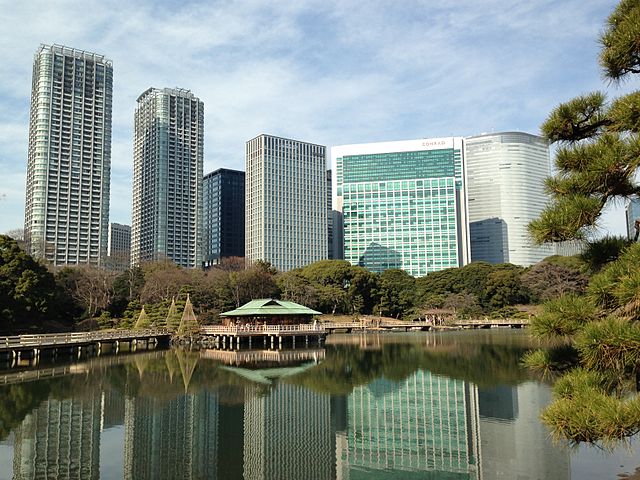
{"points": [[632, 213], [288, 434], [174, 438], [59, 439], [425, 427], [286, 203], [505, 185], [329, 216], [69, 159], [167, 177], [119, 247], [403, 204], [223, 215]]}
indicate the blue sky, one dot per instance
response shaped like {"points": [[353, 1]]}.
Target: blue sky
{"points": [[326, 71]]}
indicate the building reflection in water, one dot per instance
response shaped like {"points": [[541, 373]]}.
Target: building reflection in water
{"points": [[514, 444], [60, 439], [425, 423], [261, 425], [171, 439], [288, 434]]}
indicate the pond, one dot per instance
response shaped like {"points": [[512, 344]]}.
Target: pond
{"points": [[427, 405]]}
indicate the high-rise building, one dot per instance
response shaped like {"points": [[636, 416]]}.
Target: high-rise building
{"points": [[505, 185], [403, 204], [286, 203], [632, 213], [223, 215], [119, 247], [69, 159], [167, 177], [329, 216]]}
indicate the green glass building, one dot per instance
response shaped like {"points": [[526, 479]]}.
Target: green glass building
{"points": [[403, 205]]}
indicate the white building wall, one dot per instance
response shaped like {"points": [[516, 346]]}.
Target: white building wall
{"points": [[505, 185]]}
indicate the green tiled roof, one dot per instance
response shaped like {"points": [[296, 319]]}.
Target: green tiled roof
{"points": [[268, 307]]}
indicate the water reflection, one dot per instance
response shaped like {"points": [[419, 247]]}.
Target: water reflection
{"points": [[384, 407]]}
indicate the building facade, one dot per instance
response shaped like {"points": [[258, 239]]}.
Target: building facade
{"points": [[167, 178], [69, 157], [223, 215], [505, 184], [119, 247], [632, 213], [401, 204], [286, 203], [329, 216]]}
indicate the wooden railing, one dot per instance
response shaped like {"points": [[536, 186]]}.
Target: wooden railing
{"points": [[52, 339], [261, 329]]}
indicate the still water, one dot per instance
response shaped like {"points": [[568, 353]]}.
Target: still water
{"points": [[390, 406]]}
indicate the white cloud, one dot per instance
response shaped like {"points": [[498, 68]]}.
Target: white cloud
{"points": [[330, 72]]}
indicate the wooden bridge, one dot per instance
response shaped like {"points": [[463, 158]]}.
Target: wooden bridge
{"points": [[32, 346], [384, 325], [493, 323]]}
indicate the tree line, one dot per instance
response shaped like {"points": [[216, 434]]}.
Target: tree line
{"points": [[34, 296]]}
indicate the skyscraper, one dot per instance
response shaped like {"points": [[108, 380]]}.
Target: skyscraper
{"points": [[167, 177], [403, 204], [286, 202], [329, 216], [223, 215], [119, 247], [632, 213], [505, 184], [69, 159]]}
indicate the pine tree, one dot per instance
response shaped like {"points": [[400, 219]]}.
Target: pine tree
{"points": [[143, 320], [189, 323], [599, 147]]}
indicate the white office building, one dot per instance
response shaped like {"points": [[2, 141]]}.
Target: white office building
{"points": [[69, 159], [505, 187], [167, 178], [286, 203]]}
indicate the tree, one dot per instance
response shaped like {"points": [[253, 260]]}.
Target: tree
{"points": [[599, 148], [396, 293], [598, 160], [28, 293], [547, 281], [90, 287]]}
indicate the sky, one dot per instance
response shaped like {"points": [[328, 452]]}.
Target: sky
{"points": [[330, 72]]}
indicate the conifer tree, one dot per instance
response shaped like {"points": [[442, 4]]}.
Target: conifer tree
{"points": [[599, 147]]}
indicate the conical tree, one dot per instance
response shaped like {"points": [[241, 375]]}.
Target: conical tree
{"points": [[172, 362], [143, 320], [187, 361], [172, 322], [189, 323]]}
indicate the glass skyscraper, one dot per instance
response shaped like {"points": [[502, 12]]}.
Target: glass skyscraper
{"points": [[632, 213], [403, 204], [167, 178], [69, 159], [223, 215], [286, 202], [505, 184]]}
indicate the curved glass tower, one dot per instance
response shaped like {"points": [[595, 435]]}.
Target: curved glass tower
{"points": [[505, 187]]}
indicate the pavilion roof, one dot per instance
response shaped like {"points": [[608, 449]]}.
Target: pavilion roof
{"points": [[266, 307]]}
